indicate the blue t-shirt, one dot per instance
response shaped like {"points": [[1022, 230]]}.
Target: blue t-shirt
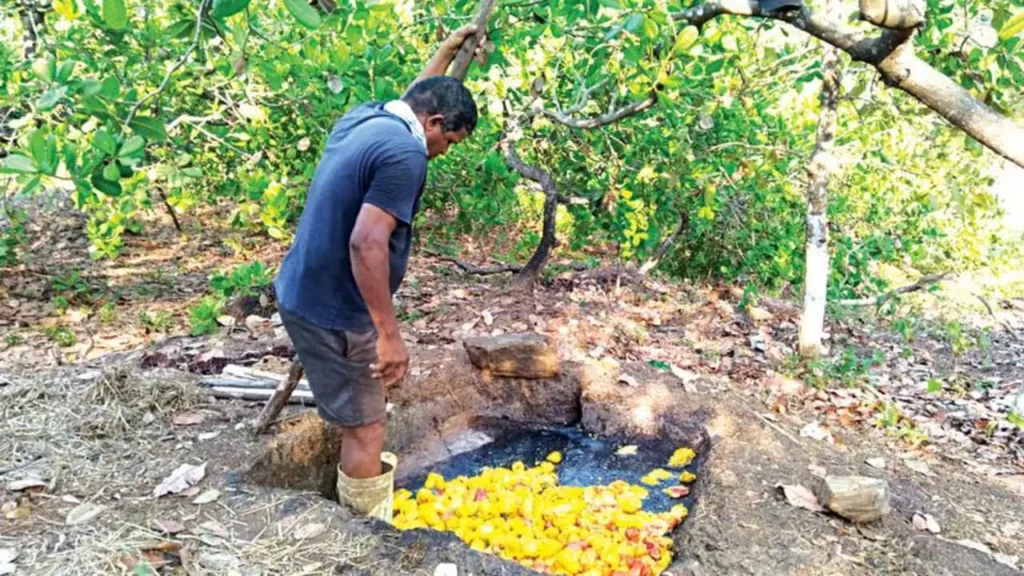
{"points": [[371, 157]]}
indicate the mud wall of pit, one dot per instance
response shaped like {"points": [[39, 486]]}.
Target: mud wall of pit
{"points": [[433, 410]]}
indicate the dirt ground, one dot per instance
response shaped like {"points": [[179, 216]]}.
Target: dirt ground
{"points": [[103, 422]]}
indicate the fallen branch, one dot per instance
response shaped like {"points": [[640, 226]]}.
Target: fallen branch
{"points": [[684, 221], [1006, 325], [229, 382], [303, 397], [474, 269], [922, 282]]}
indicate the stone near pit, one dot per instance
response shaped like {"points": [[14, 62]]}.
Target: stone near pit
{"points": [[857, 498], [520, 355]]}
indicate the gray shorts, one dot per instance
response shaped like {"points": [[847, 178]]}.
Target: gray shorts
{"points": [[337, 365]]}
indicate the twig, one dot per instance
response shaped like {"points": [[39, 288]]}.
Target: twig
{"points": [[684, 220], [481, 270], [473, 268], [923, 282], [1009, 328], [25, 464], [280, 397], [174, 68], [777, 428], [605, 119], [170, 210]]}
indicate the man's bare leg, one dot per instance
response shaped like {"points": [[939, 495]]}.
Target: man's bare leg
{"points": [[360, 449]]}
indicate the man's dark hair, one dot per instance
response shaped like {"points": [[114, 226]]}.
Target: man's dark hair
{"points": [[446, 96]]}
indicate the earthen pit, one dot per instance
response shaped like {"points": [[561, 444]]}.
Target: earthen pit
{"points": [[435, 413], [452, 408]]}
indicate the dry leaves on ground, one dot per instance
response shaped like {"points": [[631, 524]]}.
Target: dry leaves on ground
{"points": [[801, 497], [183, 477]]}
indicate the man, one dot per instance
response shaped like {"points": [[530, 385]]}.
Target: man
{"points": [[349, 256]]}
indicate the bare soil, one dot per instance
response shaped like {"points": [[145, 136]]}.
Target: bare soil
{"points": [[96, 422]]}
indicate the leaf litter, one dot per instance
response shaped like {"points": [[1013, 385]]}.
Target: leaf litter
{"points": [[182, 478]]}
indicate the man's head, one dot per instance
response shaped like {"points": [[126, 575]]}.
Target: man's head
{"points": [[445, 108]]}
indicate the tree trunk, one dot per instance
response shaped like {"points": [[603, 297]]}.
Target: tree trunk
{"points": [[529, 274], [812, 321], [31, 21]]}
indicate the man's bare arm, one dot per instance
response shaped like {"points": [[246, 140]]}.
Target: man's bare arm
{"points": [[368, 250]]}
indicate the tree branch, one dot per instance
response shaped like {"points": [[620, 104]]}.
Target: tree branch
{"points": [[473, 268], [684, 220], [922, 282], [605, 119], [174, 68], [891, 53], [460, 65]]}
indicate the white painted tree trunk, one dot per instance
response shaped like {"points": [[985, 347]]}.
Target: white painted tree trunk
{"points": [[812, 321]]}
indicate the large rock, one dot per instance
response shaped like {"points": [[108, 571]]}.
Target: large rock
{"points": [[520, 355], [856, 498]]}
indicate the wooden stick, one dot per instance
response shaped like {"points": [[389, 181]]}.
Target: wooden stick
{"points": [[229, 382], [460, 66], [244, 372], [280, 397], [304, 397]]}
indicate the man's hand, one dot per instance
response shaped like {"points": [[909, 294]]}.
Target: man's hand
{"points": [[457, 38], [392, 360], [438, 65]]}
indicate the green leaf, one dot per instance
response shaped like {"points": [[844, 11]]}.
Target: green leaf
{"points": [[50, 98], [686, 38], [225, 8], [633, 22], [110, 87], [934, 386], [304, 13], [131, 146], [37, 147], [181, 29], [18, 164], [659, 365], [112, 172], [1015, 419], [114, 14], [31, 185], [1013, 26], [108, 187], [104, 142], [151, 129], [66, 69]]}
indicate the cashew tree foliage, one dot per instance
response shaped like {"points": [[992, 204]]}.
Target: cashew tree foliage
{"points": [[622, 124]]}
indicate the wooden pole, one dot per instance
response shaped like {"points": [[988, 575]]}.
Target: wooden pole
{"points": [[281, 395], [460, 66]]}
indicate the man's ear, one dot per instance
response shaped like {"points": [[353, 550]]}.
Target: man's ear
{"points": [[436, 121]]}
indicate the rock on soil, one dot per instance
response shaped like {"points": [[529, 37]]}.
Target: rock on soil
{"points": [[856, 498], [519, 355]]}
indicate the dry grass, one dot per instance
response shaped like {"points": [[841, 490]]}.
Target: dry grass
{"points": [[120, 551], [85, 431], [89, 438]]}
